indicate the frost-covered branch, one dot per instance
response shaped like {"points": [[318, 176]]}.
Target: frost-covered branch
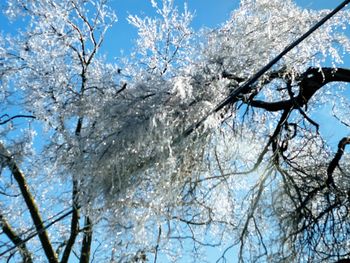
{"points": [[31, 204], [164, 42]]}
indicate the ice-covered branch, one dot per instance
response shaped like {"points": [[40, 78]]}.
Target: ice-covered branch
{"points": [[31, 204]]}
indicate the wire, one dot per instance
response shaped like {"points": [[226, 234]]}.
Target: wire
{"points": [[232, 97], [14, 117], [37, 232], [32, 229]]}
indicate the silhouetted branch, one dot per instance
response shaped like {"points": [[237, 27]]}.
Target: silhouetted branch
{"points": [[310, 82], [335, 161]]}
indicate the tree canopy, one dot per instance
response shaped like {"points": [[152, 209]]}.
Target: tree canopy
{"points": [[105, 161]]}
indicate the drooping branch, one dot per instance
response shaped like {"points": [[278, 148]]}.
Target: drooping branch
{"points": [[31, 204], [16, 240], [310, 82]]}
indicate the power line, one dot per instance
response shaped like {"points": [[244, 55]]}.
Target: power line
{"points": [[32, 230], [232, 97], [37, 232]]}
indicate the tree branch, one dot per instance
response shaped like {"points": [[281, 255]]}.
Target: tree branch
{"points": [[335, 162], [16, 240], [310, 82], [30, 202], [74, 228], [87, 239], [37, 232]]}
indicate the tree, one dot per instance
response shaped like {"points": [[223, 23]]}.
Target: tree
{"points": [[107, 161]]}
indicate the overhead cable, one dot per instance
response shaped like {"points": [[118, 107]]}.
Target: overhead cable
{"points": [[233, 96]]}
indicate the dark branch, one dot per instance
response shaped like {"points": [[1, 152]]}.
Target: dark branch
{"points": [[310, 82], [335, 162], [74, 228], [37, 232], [16, 240], [87, 239]]}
